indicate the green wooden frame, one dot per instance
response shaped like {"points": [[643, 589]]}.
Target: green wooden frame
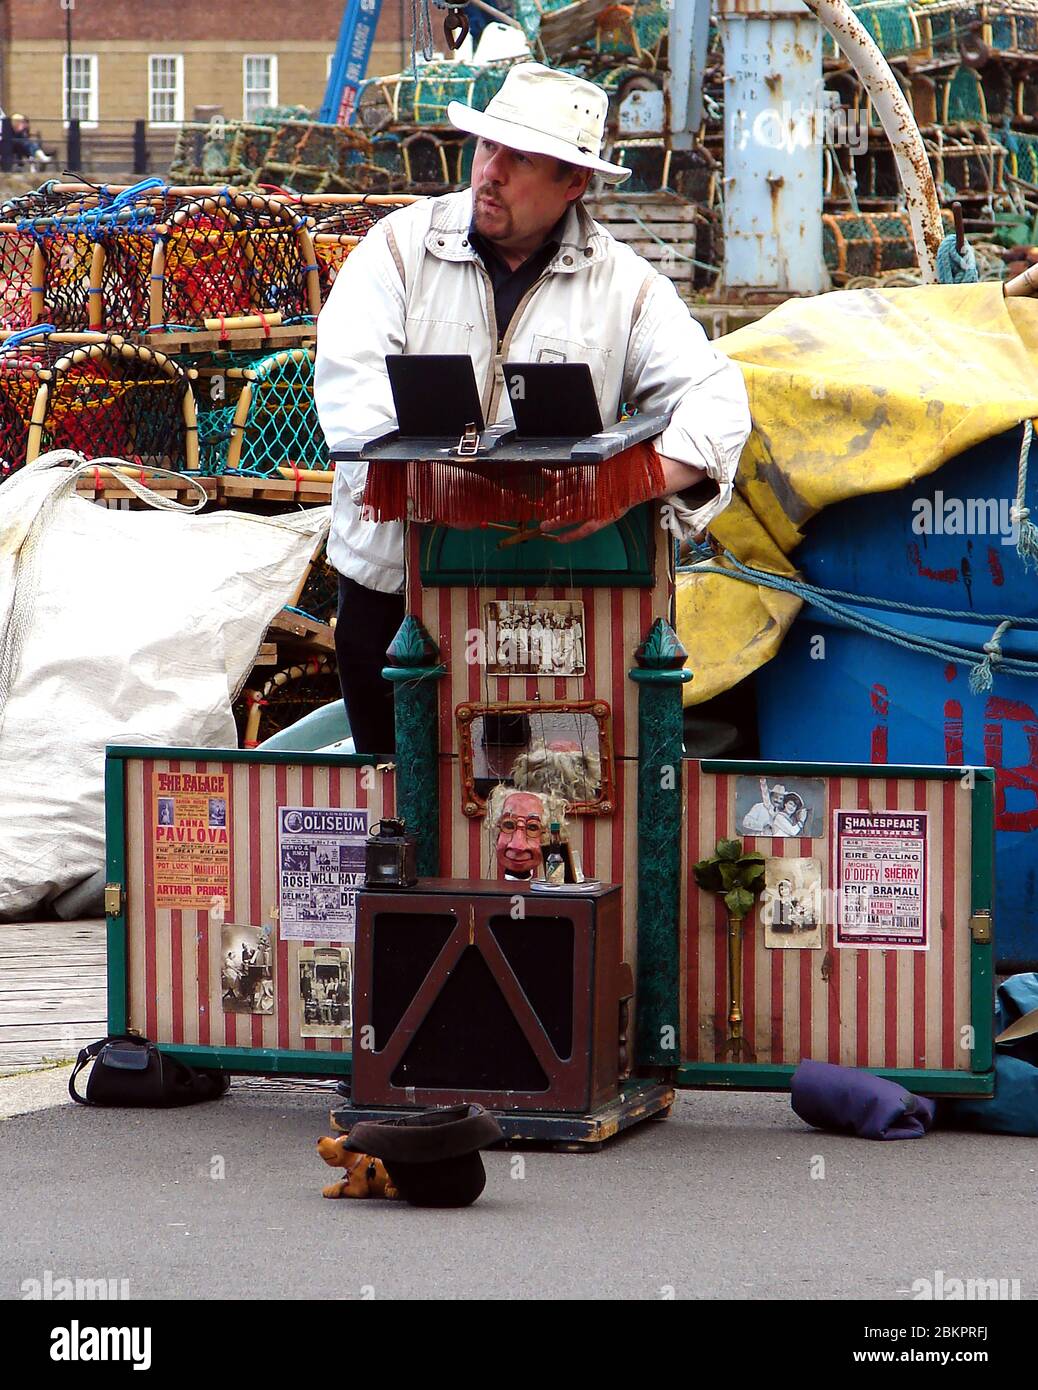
{"points": [[636, 532], [979, 1080], [266, 1061]]}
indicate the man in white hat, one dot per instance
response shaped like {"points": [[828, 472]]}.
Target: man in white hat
{"points": [[512, 269]]}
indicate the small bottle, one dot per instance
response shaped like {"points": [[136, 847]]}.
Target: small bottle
{"points": [[554, 858]]}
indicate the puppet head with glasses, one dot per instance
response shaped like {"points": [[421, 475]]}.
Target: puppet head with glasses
{"points": [[518, 822]]}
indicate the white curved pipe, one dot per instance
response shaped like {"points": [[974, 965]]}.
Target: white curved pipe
{"points": [[898, 123]]}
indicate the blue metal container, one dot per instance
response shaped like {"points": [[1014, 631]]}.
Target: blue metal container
{"points": [[945, 542], [835, 693]]}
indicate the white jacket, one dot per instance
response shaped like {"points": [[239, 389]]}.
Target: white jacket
{"points": [[415, 285]]}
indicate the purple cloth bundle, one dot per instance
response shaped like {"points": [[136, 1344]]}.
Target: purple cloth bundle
{"points": [[856, 1102]]}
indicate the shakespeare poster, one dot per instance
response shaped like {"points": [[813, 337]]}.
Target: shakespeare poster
{"points": [[320, 868], [881, 861], [190, 849]]}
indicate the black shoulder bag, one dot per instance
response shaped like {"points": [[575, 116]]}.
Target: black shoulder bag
{"points": [[132, 1071]]}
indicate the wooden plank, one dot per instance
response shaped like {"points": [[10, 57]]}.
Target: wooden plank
{"points": [[668, 231], [46, 1030], [279, 336]]}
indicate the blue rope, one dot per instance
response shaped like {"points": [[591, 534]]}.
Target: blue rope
{"points": [[829, 601], [955, 267], [24, 334]]}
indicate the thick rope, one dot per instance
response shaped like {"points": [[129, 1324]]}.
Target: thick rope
{"points": [[1019, 513], [955, 267], [981, 665]]}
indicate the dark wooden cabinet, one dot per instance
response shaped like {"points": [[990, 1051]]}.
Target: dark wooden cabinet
{"points": [[474, 991]]}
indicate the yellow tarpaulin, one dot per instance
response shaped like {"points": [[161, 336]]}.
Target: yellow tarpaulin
{"points": [[854, 392]]}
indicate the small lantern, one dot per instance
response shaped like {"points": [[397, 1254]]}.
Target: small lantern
{"points": [[390, 856]]}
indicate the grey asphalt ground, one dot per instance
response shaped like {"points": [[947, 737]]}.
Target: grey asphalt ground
{"points": [[718, 1201]]}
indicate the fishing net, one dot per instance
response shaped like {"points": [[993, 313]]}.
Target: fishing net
{"points": [[17, 253], [964, 98], [636, 30], [281, 428], [320, 596], [102, 398], [233, 254]]}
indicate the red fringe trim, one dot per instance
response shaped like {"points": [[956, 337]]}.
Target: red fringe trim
{"points": [[469, 493]]}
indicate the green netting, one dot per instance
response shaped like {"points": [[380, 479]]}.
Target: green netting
{"points": [[1023, 154], [965, 97], [409, 99], [214, 435], [282, 427], [529, 13]]}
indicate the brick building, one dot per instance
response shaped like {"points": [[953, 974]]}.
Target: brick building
{"points": [[161, 59]]}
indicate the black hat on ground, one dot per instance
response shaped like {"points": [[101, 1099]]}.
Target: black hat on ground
{"points": [[432, 1157]]}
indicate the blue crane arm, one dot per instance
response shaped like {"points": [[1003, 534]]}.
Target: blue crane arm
{"points": [[350, 62]]}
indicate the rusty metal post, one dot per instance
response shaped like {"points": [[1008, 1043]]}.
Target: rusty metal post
{"points": [[898, 124], [773, 142]]}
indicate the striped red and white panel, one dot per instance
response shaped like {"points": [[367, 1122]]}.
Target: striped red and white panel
{"points": [[858, 1008], [174, 954], [615, 621]]}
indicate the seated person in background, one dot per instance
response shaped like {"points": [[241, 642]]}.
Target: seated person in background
{"points": [[25, 144]]}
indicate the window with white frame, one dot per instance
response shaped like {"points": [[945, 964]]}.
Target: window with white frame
{"points": [[79, 88], [165, 88], [259, 82]]}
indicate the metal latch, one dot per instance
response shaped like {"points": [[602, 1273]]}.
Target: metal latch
{"points": [[980, 927], [113, 899], [468, 444]]}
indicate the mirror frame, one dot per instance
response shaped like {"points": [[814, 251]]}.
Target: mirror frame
{"points": [[466, 713]]}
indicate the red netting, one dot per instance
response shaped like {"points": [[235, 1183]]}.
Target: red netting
{"points": [[104, 400], [16, 255], [235, 258]]}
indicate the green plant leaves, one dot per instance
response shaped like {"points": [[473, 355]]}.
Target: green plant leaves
{"points": [[740, 877]]}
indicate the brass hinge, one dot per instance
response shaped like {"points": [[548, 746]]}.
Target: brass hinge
{"points": [[980, 927], [113, 899]]}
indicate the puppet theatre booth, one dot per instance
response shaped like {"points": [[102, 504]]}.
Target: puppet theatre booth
{"points": [[688, 923]]}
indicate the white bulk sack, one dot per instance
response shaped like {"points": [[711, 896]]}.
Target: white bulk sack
{"points": [[117, 627]]}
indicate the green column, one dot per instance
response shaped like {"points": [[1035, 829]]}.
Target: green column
{"points": [[415, 670], [660, 676]]}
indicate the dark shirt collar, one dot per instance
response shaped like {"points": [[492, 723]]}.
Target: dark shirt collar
{"points": [[494, 261]]}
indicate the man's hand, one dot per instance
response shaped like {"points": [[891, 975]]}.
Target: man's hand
{"points": [[676, 478]]}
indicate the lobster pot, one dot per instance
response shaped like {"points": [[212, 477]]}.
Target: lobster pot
{"points": [[100, 397], [67, 259], [230, 151], [422, 100], [310, 152], [885, 704], [868, 243], [193, 898], [275, 422], [234, 254]]}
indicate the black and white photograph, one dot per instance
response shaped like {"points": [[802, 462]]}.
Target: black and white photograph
{"points": [[535, 638], [246, 969], [325, 991], [791, 904], [782, 807], [165, 810], [217, 812]]}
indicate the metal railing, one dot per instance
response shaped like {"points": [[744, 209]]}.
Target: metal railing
{"points": [[103, 148]]}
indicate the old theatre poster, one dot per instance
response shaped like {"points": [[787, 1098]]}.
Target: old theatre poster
{"points": [[882, 863], [191, 853]]}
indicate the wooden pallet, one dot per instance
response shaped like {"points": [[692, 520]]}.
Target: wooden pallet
{"points": [[661, 227], [222, 490]]}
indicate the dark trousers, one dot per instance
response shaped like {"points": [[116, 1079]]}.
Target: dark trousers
{"points": [[367, 623]]}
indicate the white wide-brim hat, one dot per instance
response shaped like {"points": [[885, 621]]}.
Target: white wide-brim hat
{"points": [[542, 111]]}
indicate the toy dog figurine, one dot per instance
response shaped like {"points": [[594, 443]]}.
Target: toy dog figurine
{"points": [[364, 1176]]}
